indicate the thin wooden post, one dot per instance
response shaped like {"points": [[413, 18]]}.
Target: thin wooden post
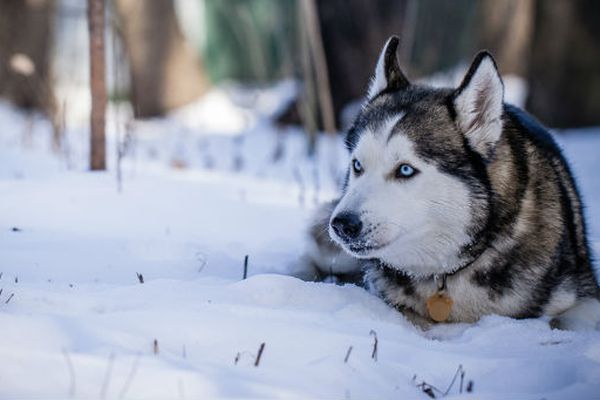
{"points": [[315, 42], [97, 85]]}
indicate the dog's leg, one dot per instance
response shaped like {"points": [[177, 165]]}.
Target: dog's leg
{"points": [[584, 315], [416, 319], [328, 260]]}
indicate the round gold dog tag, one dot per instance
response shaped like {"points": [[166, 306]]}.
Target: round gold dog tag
{"points": [[439, 306]]}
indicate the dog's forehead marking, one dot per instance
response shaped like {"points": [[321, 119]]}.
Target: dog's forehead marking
{"points": [[386, 128], [382, 148], [382, 129]]}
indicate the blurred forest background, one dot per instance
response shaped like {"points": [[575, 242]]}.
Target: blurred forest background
{"points": [[163, 54]]}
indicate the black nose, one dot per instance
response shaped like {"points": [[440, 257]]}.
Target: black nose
{"points": [[347, 225]]}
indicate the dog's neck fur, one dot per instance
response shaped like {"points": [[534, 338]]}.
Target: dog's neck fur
{"points": [[470, 253]]}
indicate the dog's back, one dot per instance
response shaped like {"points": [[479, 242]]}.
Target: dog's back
{"points": [[549, 169], [538, 251]]}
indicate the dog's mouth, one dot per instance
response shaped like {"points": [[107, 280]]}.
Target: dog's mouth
{"points": [[364, 245], [362, 249]]}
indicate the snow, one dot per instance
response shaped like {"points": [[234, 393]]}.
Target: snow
{"points": [[81, 325]]}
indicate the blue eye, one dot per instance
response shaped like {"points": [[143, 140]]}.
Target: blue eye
{"points": [[405, 171], [357, 167]]}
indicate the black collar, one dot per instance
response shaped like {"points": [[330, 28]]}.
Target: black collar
{"points": [[471, 251]]}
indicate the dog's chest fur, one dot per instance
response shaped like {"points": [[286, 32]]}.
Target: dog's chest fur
{"points": [[470, 299]]}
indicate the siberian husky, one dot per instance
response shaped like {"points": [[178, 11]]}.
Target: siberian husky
{"points": [[457, 205]]}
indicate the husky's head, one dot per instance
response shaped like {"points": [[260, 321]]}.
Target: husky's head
{"points": [[417, 195]]}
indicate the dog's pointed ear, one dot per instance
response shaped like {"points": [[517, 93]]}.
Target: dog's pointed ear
{"points": [[388, 74], [478, 103]]}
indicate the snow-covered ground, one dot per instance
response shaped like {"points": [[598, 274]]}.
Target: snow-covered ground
{"points": [[195, 199]]}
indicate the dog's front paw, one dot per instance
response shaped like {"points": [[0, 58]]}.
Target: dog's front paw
{"points": [[583, 316]]}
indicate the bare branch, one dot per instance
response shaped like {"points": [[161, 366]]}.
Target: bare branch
{"points": [[106, 382], [132, 372], [71, 373]]}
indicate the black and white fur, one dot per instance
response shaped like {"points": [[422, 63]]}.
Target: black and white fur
{"points": [[492, 207]]}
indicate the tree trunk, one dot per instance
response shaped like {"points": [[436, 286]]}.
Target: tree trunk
{"points": [[564, 73], [26, 32], [505, 29], [354, 31], [97, 85], [445, 35], [165, 72]]}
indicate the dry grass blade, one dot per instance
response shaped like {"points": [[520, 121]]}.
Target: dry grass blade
{"points": [[348, 355], [259, 355], [375, 344], [71, 373]]}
